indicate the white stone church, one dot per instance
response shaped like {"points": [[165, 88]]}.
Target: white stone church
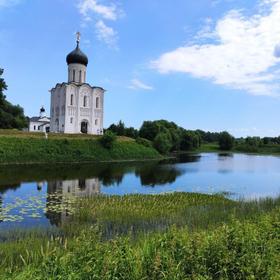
{"points": [[76, 106]]}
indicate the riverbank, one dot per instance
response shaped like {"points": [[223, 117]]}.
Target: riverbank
{"points": [[186, 236], [24, 148], [245, 149]]}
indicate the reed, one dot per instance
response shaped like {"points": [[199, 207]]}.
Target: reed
{"points": [[170, 236]]}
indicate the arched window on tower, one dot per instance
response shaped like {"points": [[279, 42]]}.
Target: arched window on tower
{"points": [[80, 76], [74, 74], [71, 99], [85, 101], [97, 102]]}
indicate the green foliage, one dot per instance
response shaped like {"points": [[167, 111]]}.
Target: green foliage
{"points": [[32, 150], [162, 142], [253, 141], [247, 249], [190, 140], [10, 116], [108, 139], [121, 130], [226, 141], [208, 137], [167, 136], [144, 142]]}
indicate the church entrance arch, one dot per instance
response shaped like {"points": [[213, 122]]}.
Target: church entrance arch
{"points": [[84, 127]]}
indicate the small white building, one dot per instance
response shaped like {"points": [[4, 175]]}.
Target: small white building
{"points": [[41, 123], [76, 106]]}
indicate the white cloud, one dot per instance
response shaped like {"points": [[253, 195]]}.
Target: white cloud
{"points": [[137, 84], [106, 33], [241, 54], [95, 14], [108, 12], [8, 3]]}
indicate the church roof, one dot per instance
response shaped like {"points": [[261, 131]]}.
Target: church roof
{"points": [[77, 56], [77, 85], [38, 119]]}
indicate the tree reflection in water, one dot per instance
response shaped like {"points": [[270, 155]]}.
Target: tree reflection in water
{"points": [[65, 182]]}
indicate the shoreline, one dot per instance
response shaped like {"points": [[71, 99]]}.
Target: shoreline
{"points": [[84, 162]]}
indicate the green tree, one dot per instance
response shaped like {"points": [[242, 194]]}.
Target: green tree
{"points": [[162, 142], [226, 141], [253, 141], [11, 116], [150, 130], [121, 130], [190, 140]]}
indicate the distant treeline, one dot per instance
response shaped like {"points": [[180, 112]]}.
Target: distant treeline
{"points": [[168, 137]]}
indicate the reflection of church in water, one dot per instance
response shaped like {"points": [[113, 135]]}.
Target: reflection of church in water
{"points": [[60, 191]]}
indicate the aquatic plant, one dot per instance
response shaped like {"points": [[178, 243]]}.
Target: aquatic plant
{"points": [[239, 250]]}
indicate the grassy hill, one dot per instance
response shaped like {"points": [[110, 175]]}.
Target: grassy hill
{"points": [[24, 147]]}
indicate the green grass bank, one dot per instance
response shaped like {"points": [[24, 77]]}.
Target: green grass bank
{"points": [[269, 149], [18, 148], [241, 242]]}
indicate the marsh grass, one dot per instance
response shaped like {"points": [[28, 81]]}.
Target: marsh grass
{"points": [[169, 236], [134, 214], [238, 250]]}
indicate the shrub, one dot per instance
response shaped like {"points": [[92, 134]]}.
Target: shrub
{"points": [[108, 139]]}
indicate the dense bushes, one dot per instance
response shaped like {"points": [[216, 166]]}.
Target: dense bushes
{"points": [[121, 130], [167, 136], [108, 139]]}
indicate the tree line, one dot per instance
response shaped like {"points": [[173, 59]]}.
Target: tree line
{"points": [[168, 137]]}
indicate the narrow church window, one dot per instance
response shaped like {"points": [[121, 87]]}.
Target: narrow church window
{"points": [[34, 127], [71, 120], [71, 99], [84, 76], [96, 122], [97, 102], [85, 101], [74, 74], [80, 76]]}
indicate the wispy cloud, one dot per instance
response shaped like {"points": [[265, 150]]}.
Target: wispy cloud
{"points": [[106, 33], [8, 3], [95, 14], [108, 12], [137, 84], [242, 52]]}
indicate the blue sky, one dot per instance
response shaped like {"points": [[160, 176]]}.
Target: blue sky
{"points": [[207, 64]]}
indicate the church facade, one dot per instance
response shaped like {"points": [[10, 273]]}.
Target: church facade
{"points": [[76, 106]]}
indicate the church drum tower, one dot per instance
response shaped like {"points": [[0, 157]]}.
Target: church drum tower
{"points": [[76, 106]]}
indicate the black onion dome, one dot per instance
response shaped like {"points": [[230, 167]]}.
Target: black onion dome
{"points": [[77, 56], [42, 110]]}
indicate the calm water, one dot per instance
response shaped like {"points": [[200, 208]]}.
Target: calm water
{"points": [[40, 196]]}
